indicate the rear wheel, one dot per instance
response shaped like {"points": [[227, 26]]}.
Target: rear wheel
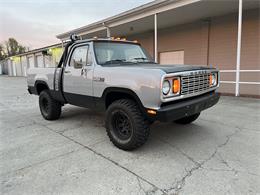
{"points": [[188, 119], [126, 127], [50, 108]]}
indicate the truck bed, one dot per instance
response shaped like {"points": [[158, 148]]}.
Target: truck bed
{"points": [[41, 74]]}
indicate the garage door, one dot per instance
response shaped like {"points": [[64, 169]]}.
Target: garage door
{"points": [[10, 70], [24, 65], [172, 57], [18, 67], [31, 61], [39, 60], [48, 61]]}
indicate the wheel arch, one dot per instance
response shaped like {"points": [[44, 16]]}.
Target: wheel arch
{"points": [[111, 94], [40, 86]]}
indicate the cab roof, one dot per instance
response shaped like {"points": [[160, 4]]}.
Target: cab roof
{"points": [[114, 40]]}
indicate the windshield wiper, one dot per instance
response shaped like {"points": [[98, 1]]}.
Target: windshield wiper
{"points": [[140, 59], [117, 61], [144, 60]]}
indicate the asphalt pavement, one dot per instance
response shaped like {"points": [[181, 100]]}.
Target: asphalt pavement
{"points": [[218, 154]]}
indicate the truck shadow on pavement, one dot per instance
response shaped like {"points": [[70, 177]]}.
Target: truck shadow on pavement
{"points": [[89, 120]]}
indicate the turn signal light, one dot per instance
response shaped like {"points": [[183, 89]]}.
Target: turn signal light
{"points": [[176, 86], [153, 112], [213, 80]]}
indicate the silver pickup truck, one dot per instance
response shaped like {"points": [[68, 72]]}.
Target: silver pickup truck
{"points": [[118, 77]]}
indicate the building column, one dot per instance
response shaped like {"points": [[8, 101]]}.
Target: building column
{"points": [[155, 39], [108, 32], [239, 33]]}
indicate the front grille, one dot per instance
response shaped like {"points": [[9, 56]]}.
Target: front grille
{"points": [[194, 83]]}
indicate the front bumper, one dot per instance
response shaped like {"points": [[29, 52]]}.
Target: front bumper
{"points": [[186, 107]]}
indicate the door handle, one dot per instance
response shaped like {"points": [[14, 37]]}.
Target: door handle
{"points": [[83, 71], [66, 71]]}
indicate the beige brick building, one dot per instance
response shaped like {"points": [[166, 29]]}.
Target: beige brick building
{"points": [[197, 32], [214, 43]]}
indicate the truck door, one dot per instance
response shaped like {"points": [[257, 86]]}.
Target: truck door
{"points": [[78, 76]]}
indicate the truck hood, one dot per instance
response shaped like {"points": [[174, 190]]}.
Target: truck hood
{"points": [[166, 68]]}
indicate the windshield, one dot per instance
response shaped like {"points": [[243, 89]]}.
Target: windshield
{"points": [[120, 53]]}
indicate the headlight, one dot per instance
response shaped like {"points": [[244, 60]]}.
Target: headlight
{"points": [[166, 87], [213, 79]]}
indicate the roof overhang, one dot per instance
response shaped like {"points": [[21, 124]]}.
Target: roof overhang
{"points": [[128, 16], [37, 50], [170, 13]]}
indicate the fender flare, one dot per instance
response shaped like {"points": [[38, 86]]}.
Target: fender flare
{"points": [[37, 82], [126, 91]]}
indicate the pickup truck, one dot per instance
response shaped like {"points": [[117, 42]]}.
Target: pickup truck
{"points": [[118, 77]]}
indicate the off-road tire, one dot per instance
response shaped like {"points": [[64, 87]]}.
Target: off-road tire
{"points": [[49, 107], [138, 124], [188, 119]]}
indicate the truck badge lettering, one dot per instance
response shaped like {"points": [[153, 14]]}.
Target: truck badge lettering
{"points": [[99, 79]]}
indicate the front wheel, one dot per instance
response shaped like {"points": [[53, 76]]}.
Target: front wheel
{"points": [[50, 108], [188, 119], [126, 127]]}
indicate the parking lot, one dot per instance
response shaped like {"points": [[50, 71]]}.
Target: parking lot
{"points": [[217, 154]]}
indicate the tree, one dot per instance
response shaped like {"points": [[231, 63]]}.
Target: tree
{"points": [[10, 48], [13, 47], [2, 52]]}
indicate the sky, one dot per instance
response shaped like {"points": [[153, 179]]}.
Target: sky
{"points": [[35, 23]]}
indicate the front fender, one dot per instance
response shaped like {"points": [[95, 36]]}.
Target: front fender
{"points": [[145, 84]]}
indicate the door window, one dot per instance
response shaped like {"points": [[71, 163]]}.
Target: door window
{"points": [[89, 58], [79, 57]]}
